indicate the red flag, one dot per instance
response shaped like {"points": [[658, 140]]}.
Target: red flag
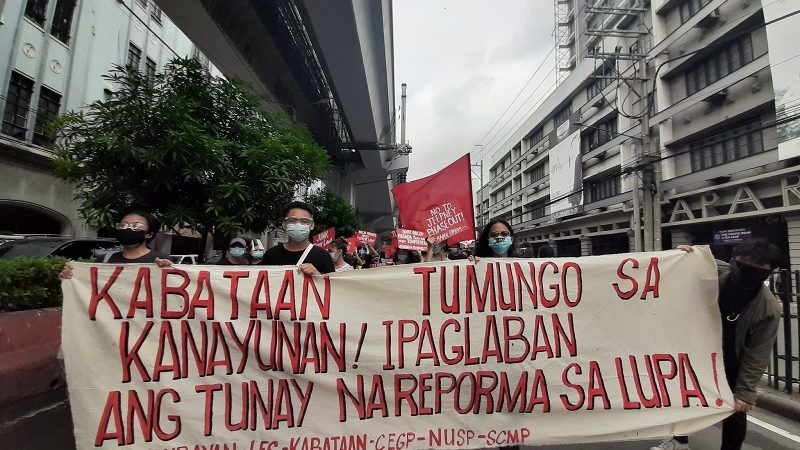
{"points": [[411, 240], [439, 205], [325, 238]]}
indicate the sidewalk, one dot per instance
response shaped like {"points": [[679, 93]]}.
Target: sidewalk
{"points": [[779, 402]]}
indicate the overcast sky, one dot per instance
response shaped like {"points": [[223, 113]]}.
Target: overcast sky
{"points": [[464, 62]]}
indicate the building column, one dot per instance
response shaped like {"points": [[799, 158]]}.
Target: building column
{"points": [[631, 241], [793, 228], [680, 237], [586, 246]]}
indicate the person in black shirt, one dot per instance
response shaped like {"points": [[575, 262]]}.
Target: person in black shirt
{"points": [[133, 232], [237, 253], [298, 222]]}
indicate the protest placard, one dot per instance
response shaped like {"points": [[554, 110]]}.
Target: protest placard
{"points": [[325, 238], [446, 355], [366, 237], [411, 240]]}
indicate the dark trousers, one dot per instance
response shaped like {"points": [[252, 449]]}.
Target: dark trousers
{"points": [[734, 428]]}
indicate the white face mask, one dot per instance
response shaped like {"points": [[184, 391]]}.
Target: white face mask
{"points": [[334, 256], [298, 232]]}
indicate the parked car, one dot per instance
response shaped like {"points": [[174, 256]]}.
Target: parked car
{"points": [[184, 259], [68, 247]]}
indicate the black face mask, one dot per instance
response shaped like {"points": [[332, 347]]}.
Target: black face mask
{"points": [[747, 276], [130, 238]]}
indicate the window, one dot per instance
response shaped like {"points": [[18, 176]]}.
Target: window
{"points": [[599, 135], [150, 70], [605, 187], [738, 142], [719, 64], [538, 208], [36, 10], [143, 3], [563, 115], [689, 8], [537, 173], [134, 56], [49, 105], [18, 102], [598, 84], [156, 14], [534, 138], [62, 20]]}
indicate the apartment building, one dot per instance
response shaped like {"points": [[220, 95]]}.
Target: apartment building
{"points": [[713, 143], [53, 54]]}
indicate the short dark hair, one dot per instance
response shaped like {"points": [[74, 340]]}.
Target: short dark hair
{"points": [[298, 205], [341, 244], [759, 251], [545, 251]]}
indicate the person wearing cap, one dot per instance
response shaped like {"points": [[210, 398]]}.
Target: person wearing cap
{"points": [[237, 253]]}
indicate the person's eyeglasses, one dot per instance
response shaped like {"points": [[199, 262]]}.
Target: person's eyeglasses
{"points": [[301, 220], [136, 226], [496, 234]]}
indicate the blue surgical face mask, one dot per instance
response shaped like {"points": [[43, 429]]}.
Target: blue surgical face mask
{"points": [[436, 249], [257, 254], [298, 232], [236, 252], [402, 257], [500, 245]]}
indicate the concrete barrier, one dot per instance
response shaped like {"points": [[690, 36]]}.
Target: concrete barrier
{"points": [[29, 345]]}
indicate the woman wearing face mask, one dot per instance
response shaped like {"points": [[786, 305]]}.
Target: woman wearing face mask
{"points": [[337, 250], [403, 256], [496, 240], [256, 251], [134, 231], [237, 253]]}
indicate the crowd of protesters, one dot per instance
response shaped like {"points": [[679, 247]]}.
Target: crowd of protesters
{"points": [[749, 310]]}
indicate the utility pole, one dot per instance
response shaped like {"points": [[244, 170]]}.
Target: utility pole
{"points": [[637, 83], [403, 115], [480, 189], [647, 170]]}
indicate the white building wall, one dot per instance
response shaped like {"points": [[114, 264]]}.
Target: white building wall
{"points": [[99, 40]]}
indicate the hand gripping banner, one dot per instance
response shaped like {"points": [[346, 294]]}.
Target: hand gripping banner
{"points": [[446, 355]]}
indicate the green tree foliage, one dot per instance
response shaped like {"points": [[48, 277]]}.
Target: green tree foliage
{"points": [[333, 211], [30, 283], [194, 149]]}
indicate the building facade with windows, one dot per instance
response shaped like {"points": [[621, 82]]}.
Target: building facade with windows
{"points": [[53, 54], [713, 145]]}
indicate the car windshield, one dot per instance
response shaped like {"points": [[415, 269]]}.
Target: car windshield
{"points": [[37, 247]]}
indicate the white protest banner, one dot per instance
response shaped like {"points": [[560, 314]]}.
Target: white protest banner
{"points": [[447, 355], [411, 239]]}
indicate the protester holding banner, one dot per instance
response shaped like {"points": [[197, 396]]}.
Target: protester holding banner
{"points": [[496, 240], [750, 317], [311, 260], [134, 232], [237, 254], [337, 249]]}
